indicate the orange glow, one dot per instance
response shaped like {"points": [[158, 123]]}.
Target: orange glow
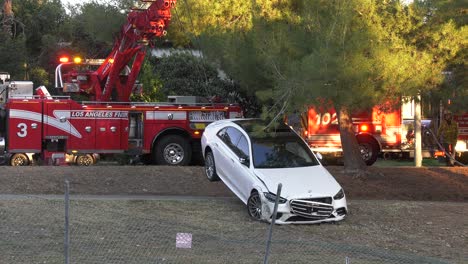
{"points": [[77, 60], [197, 132], [364, 128], [111, 60], [64, 59]]}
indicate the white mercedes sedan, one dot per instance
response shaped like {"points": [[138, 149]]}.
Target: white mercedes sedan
{"points": [[252, 160]]}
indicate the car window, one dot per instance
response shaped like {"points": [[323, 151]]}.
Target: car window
{"points": [[243, 148], [281, 152], [222, 134], [232, 137]]}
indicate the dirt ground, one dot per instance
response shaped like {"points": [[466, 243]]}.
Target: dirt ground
{"points": [[390, 183]]}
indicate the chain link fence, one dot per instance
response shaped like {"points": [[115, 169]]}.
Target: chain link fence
{"points": [[165, 230]]}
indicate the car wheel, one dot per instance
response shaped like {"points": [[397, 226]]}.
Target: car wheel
{"points": [[210, 168], [173, 150], [369, 152], [254, 206], [84, 160], [19, 159]]}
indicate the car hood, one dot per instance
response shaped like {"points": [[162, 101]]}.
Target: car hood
{"points": [[314, 181]]}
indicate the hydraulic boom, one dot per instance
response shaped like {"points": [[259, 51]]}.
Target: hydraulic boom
{"points": [[116, 76]]}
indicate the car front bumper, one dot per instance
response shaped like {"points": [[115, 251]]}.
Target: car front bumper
{"points": [[305, 211]]}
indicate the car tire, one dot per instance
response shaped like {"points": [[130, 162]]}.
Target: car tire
{"points": [[254, 206], [173, 150], [19, 159], [210, 168], [369, 151]]}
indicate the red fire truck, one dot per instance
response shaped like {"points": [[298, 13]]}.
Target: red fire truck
{"points": [[59, 130], [381, 130]]}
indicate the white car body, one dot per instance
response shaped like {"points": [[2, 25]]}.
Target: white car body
{"points": [[308, 192]]}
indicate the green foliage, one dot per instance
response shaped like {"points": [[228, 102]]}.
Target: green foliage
{"points": [[39, 18], [94, 27], [152, 86], [39, 76], [13, 56], [354, 53], [193, 18], [185, 74]]}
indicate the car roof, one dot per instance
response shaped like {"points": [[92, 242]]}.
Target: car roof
{"points": [[253, 126]]}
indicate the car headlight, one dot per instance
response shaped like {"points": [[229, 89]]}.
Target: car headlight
{"points": [[339, 195], [272, 198]]}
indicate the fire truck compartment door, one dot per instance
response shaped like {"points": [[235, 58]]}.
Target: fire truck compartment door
{"points": [[57, 120], [24, 126], [86, 127], [108, 134]]}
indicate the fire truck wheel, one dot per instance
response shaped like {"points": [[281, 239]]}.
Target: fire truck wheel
{"points": [[173, 150], [84, 160], [369, 152], [210, 168], [19, 159]]}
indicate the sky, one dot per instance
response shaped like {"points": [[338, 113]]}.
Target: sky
{"points": [[74, 1]]}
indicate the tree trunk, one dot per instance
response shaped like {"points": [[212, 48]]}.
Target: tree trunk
{"points": [[353, 162], [417, 132], [7, 22]]}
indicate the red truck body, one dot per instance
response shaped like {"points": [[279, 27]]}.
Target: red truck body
{"points": [[384, 129], [59, 125]]}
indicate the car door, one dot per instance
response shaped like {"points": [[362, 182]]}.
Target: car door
{"points": [[224, 155], [241, 173], [220, 152]]}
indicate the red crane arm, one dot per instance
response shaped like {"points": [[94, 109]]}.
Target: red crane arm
{"points": [[141, 26]]}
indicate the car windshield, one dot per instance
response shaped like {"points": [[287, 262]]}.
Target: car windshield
{"points": [[281, 151]]}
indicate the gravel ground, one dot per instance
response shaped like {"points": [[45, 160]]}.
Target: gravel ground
{"points": [[398, 215], [144, 231]]}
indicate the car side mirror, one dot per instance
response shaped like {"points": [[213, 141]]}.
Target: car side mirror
{"points": [[245, 161]]}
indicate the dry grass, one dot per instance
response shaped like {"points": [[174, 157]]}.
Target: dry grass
{"points": [[144, 231]]}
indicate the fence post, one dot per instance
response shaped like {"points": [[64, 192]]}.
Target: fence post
{"points": [[273, 220], [67, 223]]}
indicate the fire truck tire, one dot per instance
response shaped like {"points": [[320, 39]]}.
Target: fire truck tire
{"points": [[369, 151], [84, 160], [173, 150], [19, 159]]}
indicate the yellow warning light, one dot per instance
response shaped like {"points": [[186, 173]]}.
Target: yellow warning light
{"points": [[197, 132], [77, 60], [364, 128], [111, 60]]}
